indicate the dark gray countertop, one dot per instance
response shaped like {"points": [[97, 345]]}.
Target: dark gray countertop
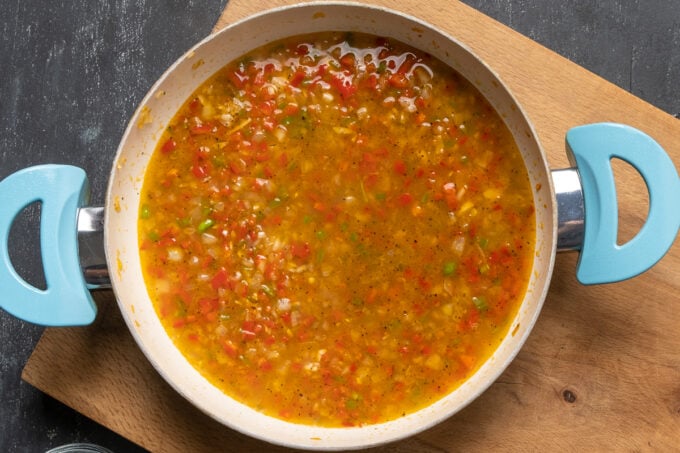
{"points": [[73, 72]]}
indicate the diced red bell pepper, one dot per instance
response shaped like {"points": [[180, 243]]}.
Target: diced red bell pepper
{"points": [[400, 167], [168, 146], [199, 170], [344, 85], [300, 250], [297, 77], [405, 199]]}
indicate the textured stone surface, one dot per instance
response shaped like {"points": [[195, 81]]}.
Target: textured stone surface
{"points": [[72, 73]]}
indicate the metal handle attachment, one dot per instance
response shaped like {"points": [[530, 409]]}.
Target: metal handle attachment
{"points": [[91, 247], [570, 209]]}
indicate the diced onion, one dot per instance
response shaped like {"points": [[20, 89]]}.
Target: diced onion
{"points": [[208, 239], [280, 133], [283, 304], [221, 331], [327, 97], [408, 104], [175, 254], [294, 318], [458, 244]]}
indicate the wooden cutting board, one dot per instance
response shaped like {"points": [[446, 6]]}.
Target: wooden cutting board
{"points": [[600, 371]]}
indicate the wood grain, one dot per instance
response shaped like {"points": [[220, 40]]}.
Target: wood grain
{"points": [[600, 371]]}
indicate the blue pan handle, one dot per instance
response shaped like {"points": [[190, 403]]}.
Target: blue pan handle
{"points": [[593, 146], [62, 190]]}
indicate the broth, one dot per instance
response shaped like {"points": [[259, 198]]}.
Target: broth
{"points": [[337, 229]]}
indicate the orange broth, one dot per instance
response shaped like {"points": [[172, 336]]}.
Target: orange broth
{"points": [[337, 229]]}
